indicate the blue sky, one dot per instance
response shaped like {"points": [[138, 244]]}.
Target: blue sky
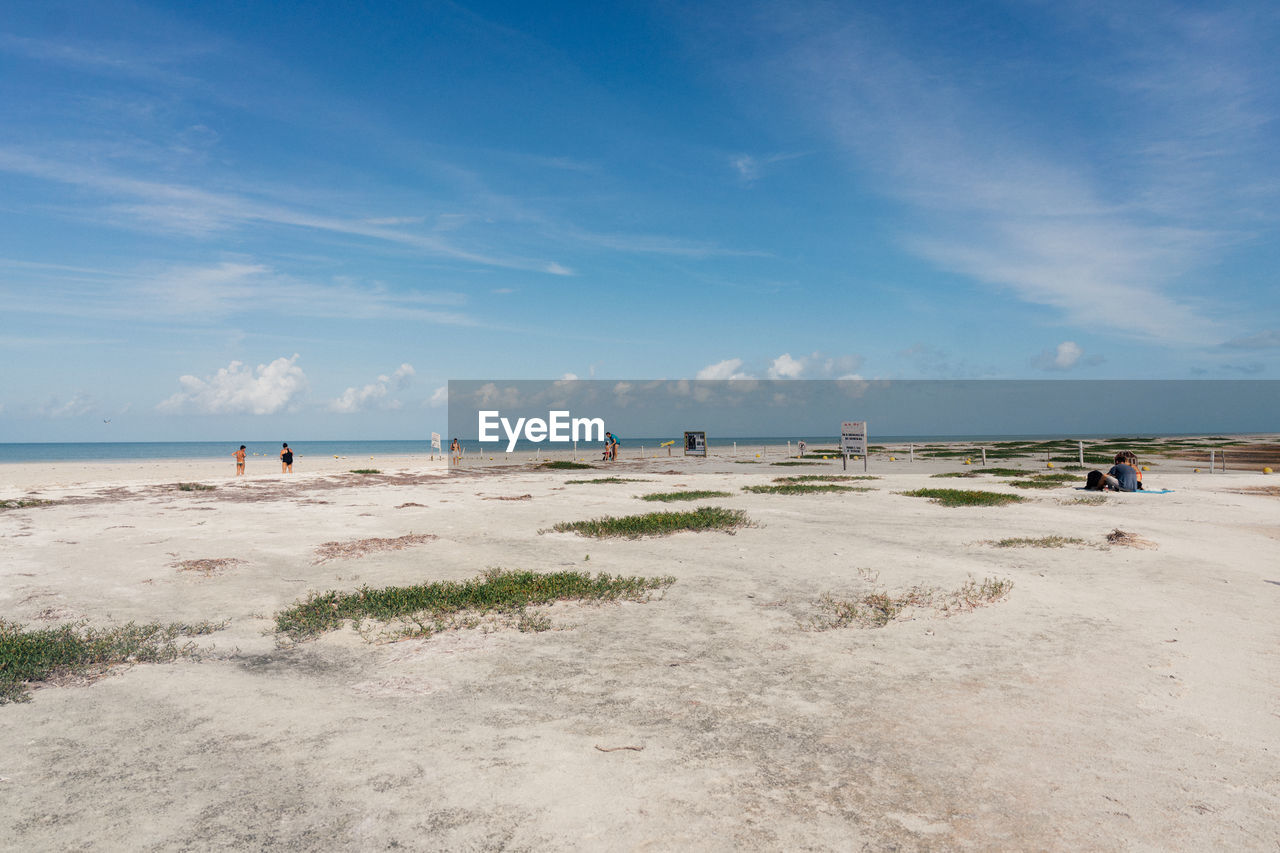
{"points": [[246, 220]]}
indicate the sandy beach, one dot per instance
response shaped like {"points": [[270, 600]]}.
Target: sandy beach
{"points": [[1116, 698]]}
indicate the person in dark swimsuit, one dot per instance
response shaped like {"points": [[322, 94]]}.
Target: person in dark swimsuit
{"points": [[286, 460]]}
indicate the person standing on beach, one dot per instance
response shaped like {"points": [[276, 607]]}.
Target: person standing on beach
{"points": [[239, 455], [455, 452], [611, 446], [801, 443], [286, 460]]}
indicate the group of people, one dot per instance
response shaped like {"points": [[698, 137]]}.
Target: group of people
{"points": [[286, 460], [1125, 475]]}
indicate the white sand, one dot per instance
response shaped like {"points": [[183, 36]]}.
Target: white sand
{"points": [[1118, 699]]}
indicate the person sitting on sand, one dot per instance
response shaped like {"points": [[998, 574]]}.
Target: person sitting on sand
{"points": [[1124, 475], [286, 460], [239, 455], [1125, 472]]}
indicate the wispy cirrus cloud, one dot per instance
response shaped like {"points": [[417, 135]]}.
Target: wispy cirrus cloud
{"points": [[215, 292], [1103, 225], [175, 207]]}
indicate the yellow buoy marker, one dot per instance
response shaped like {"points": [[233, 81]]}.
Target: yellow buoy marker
{"points": [[1145, 468], [1266, 470], [1050, 464], [1197, 470], [893, 459]]}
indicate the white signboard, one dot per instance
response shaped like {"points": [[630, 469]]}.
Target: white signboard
{"points": [[435, 441], [853, 438], [695, 444]]}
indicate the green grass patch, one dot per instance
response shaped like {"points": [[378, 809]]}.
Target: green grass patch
{"points": [[964, 497], [427, 608], [803, 489], [562, 465], [695, 495], [957, 474], [1036, 484], [795, 462], [823, 478], [746, 462], [1088, 500], [195, 487], [878, 609], [605, 480], [1056, 477], [657, 523], [24, 503], [365, 471], [49, 654], [1037, 542]]}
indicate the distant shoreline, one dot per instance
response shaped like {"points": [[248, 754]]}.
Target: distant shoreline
{"points": [[159, 451]]}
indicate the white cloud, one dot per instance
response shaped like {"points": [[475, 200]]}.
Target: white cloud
{"points": [[557, 269], [358, 399], [1269, 339], [786, 367], [569, 377], [1125, 221], [1064, 357], [730, 368], [747, 167], [439, 397], [79, 405], [236, 390]]}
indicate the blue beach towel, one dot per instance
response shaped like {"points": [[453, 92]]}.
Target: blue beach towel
{"points": [[1139, 492]]}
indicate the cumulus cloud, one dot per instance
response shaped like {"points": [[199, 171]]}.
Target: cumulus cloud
{"points": [[786, 367], [1065, 357], [439, 397], [569, 377], [730, 368], [356, 399], [237, 390]]}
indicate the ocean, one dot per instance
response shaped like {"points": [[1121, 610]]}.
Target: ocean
{"points": [[128, 450]]}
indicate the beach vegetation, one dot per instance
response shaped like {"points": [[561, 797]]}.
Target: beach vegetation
{"points": [[1037, 542], [877, 609], [964, 497], [657, 523], [24, 503], [794, 462], [195, 487], [425, 609], [1037, 484], [1088, 500], [365, 471], [565, 465], [29, 657], [823, 478], [693, 495], [803, 489], [605, 480]]}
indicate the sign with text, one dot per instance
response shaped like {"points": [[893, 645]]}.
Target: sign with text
{"points": [[435, 441], [695, 444], [853, 438]]}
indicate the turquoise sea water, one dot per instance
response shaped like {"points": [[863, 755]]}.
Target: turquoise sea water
{"points": [[124, 451]]}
